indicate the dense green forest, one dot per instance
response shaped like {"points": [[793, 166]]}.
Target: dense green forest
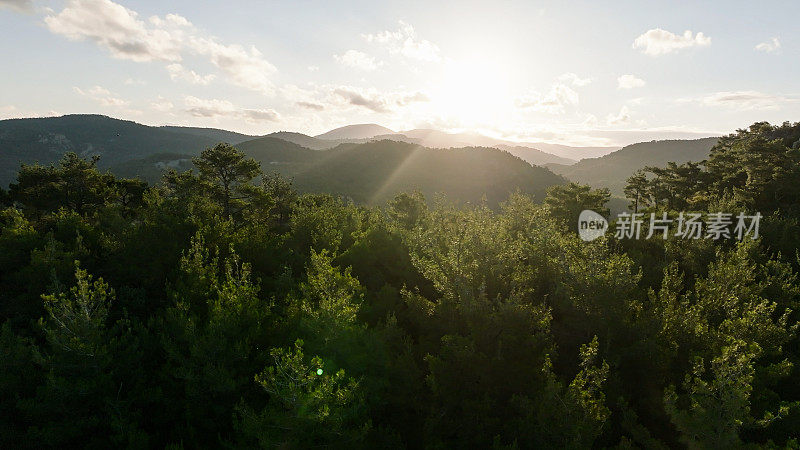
{"points": [[222, 308]]}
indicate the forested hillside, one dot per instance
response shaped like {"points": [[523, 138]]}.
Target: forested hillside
{"points": [[611, 171], [373, 172], [221, 308], [46, 140]]}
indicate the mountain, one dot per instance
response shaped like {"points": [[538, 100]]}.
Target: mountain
{"points": [[373, 172], [441, 139], [304, 140], [152, 167], [611, 171], [360, 131], [217, 135], [535, 156], [537, 153], [45, 140], [273, 151], [570, 152]]}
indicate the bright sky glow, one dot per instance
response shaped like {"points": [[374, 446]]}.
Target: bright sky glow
{"points": [[587, 73]]}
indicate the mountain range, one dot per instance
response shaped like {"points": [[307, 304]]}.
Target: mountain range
{"points": [[534, 152], [366, 162]]}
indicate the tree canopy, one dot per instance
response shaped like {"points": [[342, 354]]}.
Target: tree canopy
{"points": [[222, 308]]}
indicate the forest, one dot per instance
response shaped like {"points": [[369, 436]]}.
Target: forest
{"points": [[220, 307]]}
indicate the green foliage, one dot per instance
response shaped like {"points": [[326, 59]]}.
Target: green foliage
{"points": [[75, 184], [718, 407], [565, 203], [228, 173], [246, 314], [307, 406]]}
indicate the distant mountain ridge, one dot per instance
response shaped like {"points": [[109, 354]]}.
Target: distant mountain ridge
{"points": [[45, 140], [230, 137], [133, 148], [538, 153], [611, 171], [358, 131], [373, 172]]}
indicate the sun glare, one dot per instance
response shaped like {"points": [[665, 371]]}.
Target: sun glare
{"points": [[473, 92]]}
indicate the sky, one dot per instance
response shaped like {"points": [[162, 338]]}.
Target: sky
{"points": [[580, 73]]}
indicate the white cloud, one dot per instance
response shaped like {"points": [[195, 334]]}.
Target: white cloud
{"points": [[244, 68], [342, 98], [369, 98], [358, 60], [120, 31], [102, 96], [313, 68], [619, 119], [404, 41], [134, 82], [310, 105], [213, 108], [414, 97], [590, 121], [629, 81], [178, 72], [769, 47], [23, 6], [658, 42], [742, 100], [553, 102], [574, 79], [162, 104]]}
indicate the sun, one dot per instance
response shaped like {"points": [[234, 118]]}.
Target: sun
{"points": [[473, 92]]}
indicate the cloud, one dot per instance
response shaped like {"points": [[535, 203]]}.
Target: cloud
{"points": [[590, 121], [619, 119], [178, 72], [358, 60], [119, 30], [23, 6], [310, 105], [629, 81], [341, 98], [102, 96], [553, 102], [124, 35], [374, 100], [575, 80], [369, 100], [659, 42], [742, 100], [772, 46], [313, 68], [162, 104], [413, 98], [247, 69], [404, 41], [213, 108]]}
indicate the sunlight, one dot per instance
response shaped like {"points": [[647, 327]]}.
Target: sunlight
{"points": [[473, 92]]}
